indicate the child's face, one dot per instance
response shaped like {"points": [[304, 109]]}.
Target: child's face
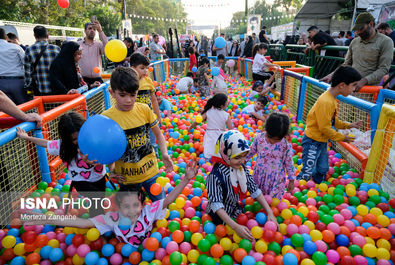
{"points": [[346, 90], [239, 160], [74, 137], [258, 106], [142, 70], [131, 207], [195, 83], [159, 98], [220, 61], [125, 101], [259, 89], [262, 51]]}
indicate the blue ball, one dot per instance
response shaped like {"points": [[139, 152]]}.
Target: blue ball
{"points": [[337, 155], [102, 261], [220, 42], [157, 235], [261, 218], [69, 239], [165, 241], [370, 261], [309, 247], [127, 249], [55, 255], [48, 228], [13, 232], [306, 237], [45, 252], [102, 139], [197, 192], [18, 261], [215, 71], [107, 250], [342, 240], [92, 258], [194, 69], [287, 242], [147, 255], [124, 223], [366, 225], [174, 214], [353, 210], [290, 259], [248, 260], [209, 228]]}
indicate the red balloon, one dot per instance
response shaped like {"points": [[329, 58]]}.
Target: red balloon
{"points": [[250, 215], [63, 3]]}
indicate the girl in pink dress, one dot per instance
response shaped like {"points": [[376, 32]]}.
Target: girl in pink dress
{"points": [[273, 165]]}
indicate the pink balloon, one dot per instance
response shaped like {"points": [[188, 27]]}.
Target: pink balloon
{"points": [[359, 240], [292, 229], [230, 63], [350, 225], [281, 206], [46, 262], [190, 212], [116, 259], [251, 223], [61, 237], [63, 246], [161, 40], [334, 227], [304, 229], [71, 250], [257, 256], [383, 262], [347, 214], [51, 235], [270, 225], [311, 201], [391, 227]]}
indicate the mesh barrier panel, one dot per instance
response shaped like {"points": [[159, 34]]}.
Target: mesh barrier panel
{"points": [[249, 69], [177, 67], [389, 101], [365, 96], [352, 160], [291, 94], [167, 68], [96, 104], [326, 65], [158, 72], [19, 171], [242, 69], [312, 94]]}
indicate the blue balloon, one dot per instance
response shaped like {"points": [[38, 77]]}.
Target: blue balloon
{"points": [[55, 255], [147, 255], [124, 223], [215, 71], [309, 247], [261, 218], [290, 259], [102, 139], [342, 240], [102, 261], [92, 258], [194, 69], [220, 42]]}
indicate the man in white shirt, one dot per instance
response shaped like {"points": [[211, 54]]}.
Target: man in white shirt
{"points": [[12, 73]]}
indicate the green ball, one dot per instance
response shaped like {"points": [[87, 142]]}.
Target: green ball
{"points": [[324, 208], [319, 258], [375, 199], [338, 199], [332, 205], [196, 184], [370, 204], [186, 137], [187, 236], [55, 192], [246, 244], [354, 201], [327, 198], [197, 218], [212, 239], [204, 245], [226, 260], [199, 178], [355, 250], [260, 263], [201, 259], [297, 240], [161, 164], [66, 188], [248, 208], [275, 247], [208, 261], [173, 226], [175, 258], [42, 185], [327, 219], [256, 207], [176, 155], [337, 192]]}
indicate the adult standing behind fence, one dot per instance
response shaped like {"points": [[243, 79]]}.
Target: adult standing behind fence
{"points": [[156, 49], [91, 52], [321, 39], [38, 59], [12, 78], [370, 53]]}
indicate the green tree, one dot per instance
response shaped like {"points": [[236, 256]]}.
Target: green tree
{"points": [[108, 16]]}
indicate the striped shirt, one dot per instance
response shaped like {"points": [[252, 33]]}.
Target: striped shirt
{"points": [[42, 70], [216, 191]]}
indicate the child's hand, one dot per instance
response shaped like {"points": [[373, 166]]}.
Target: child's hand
{"points": [[243, 232], [21, 133], [118, 178], [168, 163], [356, 125], [349, 139], [86, 160], [272, 218], [290, 187], [191, 171]]}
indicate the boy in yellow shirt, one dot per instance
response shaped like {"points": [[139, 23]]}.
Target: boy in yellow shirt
{"points": [[138, 165], [320, 120]]}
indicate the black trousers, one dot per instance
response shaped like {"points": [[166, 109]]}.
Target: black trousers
{"points": [[262, 77]]}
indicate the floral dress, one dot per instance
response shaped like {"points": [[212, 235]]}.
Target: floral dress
{"points": [[272, 166]]}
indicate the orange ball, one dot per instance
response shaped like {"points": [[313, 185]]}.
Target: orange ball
{"points": [[196, 201], [118, 247], [33, 258], [8, 254], [360, 230], [220, 231], [30, 247], [239, 254], [373, 232], [152, 244], [96, 70], [295, 219], [155, 189], [370, 218], [216, 251], [385, 233], [135, 258], [328, 236], [178, 236], [343, 251], [194, 226], [41, 240]]}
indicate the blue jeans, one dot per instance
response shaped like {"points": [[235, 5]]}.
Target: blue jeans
{"points": [[147, 185], [153, 142], [315, 160]]}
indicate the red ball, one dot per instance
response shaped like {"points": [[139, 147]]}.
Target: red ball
{"points": [[320, 226], [269, 259], [392, 202], [78, 240], [303, 255], [250, 215], [347, 260], [97, 244], [383, 206], [63, 3], [268, 235], [29, 237], [242, 219], [52, 184], [313, 216]]}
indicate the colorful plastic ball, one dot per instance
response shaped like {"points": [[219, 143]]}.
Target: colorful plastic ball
{"points": [[309, 247], [261, 218], [239, 254], [248, 260], [257, 232], [92, 234], [8, 242], [342, 240], [297, 240], [107, 250], [290, 259], [91, 258], [332, 256], [204, 245], [83, 250], [226, 243], [152, 244], [209, 228], [56, 254], [175, 258], [319, 258], [369, 250]]}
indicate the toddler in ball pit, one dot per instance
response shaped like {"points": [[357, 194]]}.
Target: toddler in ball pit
{"points": [[134, 221]]}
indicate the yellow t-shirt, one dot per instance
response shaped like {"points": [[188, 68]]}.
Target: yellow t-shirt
{"points": [[139, 162], [322, 117], [146, 87]]}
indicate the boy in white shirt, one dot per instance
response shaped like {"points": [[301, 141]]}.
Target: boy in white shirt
{"points": [[257, 109], [185, 83]]}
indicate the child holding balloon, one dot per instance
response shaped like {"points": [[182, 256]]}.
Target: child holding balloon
{"points": [[217, 120], [229, 181], [86, 175], [134, 221], [192, 58], [273, 165], [139, 164]]}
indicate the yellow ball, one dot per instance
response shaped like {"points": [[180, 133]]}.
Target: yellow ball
{"points": [[48, 190], [193, 255], [382, 243], [8, 242], [234, 247], [303, 210], [174, 108], [115, 50], [172, 206], [180, 202], [362, 210], [382, 253], [330, 190], [184, 258], [143, 263], [77, 260], [19, 249], [198, 118], [373, 192], [285, 249], [309, 224], [236, 238], [351, 192], [283, 229], [93, 234], [307, 262], [68, 230], [161, 180], [311, 194], [261, 246], [257, 232], [369, 250], [286, 214], [156, 261], [186, 221], [196, 237], [369, 240], [53, 243], [383, 220], [275, 202], [315, 235], [182, 213], [376, 211], [302, 182], [226, 243], [161, 223], [229, 230], [167, 214]]}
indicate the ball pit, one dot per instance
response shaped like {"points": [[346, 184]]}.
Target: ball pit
{"points": [[340, 221]]}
